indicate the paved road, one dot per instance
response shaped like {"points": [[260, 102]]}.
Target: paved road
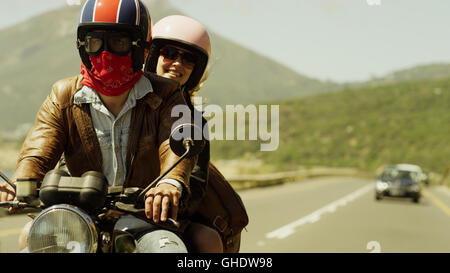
{"points": [[10, 227], [327, 215], [341, 215]]}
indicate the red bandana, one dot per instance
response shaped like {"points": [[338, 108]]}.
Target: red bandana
{"points": [[110, 75]]}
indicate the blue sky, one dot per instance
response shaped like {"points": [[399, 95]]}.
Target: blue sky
{"points": [[341, 40]]}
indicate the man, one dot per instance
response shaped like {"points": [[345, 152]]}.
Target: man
{"points": [[111, 118]]}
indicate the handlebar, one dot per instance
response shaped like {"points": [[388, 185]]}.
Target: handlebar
{"points": [[6, 204], [16, 204], [170, 224]]}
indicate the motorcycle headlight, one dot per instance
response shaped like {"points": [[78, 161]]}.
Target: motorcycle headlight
{"points": [[62, 229]]}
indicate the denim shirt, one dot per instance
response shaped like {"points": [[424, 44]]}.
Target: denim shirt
{"points": [[112, 132]]}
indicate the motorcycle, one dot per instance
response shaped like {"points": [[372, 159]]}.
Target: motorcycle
{"points": [[79, 214]]}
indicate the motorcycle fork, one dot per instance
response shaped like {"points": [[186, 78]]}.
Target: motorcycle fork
{"points": [[112, 240]]}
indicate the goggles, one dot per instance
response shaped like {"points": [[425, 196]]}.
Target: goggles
{"points": [[172, 53], [119, 43]]}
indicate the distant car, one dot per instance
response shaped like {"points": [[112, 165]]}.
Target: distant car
{"points": [[402, 180]]}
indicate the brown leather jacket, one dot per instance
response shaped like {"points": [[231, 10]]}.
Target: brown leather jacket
{"points": [[64, 127]]}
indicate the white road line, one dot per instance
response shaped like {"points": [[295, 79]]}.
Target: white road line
{"points": [[289, 229]]}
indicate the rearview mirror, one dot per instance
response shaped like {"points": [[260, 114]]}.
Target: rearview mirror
{"points": [[186, 136]]}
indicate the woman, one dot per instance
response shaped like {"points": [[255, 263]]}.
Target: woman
{"points": [[180, 51]]}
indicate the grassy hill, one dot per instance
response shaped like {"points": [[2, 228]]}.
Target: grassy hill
{"points": [[365, 128], [417, 73], [413, 74], [36, 53]]}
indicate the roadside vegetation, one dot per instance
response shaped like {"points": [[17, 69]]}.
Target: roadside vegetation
{"points": [[365, 128]]}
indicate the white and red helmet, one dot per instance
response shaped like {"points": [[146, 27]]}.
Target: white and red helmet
{"points": [[131, 16], [184, 32]]}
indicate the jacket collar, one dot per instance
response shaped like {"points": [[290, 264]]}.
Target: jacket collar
{"points": [[162, 87]]}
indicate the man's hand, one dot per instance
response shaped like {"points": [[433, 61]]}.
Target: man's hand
{"points": [[159, 199], [7, 193]]}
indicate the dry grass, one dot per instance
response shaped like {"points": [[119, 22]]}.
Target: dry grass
{"points": [[242, 167]]}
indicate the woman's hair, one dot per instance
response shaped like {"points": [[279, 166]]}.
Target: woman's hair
{"points": [[193, 92]]}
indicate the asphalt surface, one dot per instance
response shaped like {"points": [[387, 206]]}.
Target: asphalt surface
{"points": [[341, 215], [337, 215]]}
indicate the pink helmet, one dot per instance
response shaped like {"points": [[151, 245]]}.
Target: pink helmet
{"points": [[184, 32]]}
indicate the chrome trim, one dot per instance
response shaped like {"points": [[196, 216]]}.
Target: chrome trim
{"points": [[136, 43], [87, 219], [80, 43]]}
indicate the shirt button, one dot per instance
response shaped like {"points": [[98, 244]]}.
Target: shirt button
{"points": [[117, 149]]}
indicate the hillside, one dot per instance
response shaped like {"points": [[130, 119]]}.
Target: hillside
{"points": [[364, 128], [36, 53], [412, 74]]}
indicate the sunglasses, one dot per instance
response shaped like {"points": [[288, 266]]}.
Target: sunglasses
{"points": [[172, 53], [119, 43]]}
